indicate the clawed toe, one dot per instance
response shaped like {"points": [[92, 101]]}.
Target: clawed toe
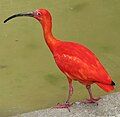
{"points": [[91, 100], [65, 105], [94, 99]]}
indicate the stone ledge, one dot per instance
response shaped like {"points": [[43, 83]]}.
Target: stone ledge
{"points": [[108, 106]]}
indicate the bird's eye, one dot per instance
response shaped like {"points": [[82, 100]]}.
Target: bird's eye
{"points": [[38, 14]]}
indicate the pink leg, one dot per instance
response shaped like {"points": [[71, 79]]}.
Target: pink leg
{"points": [[92, 99], [70, 90], [67, 104]]}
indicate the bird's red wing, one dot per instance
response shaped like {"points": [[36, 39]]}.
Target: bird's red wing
{"points": [[80, 64]]}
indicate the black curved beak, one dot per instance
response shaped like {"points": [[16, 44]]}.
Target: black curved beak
{"points": [[30, 14]]}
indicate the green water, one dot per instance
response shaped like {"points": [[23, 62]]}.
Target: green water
{"points": [[29, 78]]}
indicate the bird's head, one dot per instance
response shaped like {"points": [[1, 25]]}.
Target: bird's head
{"points": [[42, 15]]}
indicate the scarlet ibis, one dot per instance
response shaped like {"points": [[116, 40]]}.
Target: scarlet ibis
{"points": [[75, 60]]}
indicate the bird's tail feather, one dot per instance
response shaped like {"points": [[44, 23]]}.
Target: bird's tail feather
{"points": [[105, 87]]}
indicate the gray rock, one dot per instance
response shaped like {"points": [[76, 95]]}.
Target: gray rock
{"points": [[108, 106]]}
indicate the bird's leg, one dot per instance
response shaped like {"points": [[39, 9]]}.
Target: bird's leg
{"points": [[91, 99], [70, 90], [67, 104]]}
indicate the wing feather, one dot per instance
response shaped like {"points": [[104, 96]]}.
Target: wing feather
{"points": [[80, 63]]}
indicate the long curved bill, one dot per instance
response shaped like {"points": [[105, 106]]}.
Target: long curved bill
{"points": [[30, 14]]}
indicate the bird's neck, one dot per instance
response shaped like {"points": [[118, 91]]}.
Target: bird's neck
{"points": [[49, 38]]}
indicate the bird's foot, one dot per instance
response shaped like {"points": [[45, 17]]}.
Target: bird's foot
{"points": [[91, 100], [66, 105]]}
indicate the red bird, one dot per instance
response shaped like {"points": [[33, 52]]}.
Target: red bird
{"points": [[75, 60]]}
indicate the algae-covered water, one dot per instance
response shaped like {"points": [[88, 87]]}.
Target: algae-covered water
{"points": [[29, 78]]}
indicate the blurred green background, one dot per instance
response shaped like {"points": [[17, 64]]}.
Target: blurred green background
{"points": [[29, 78]]}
